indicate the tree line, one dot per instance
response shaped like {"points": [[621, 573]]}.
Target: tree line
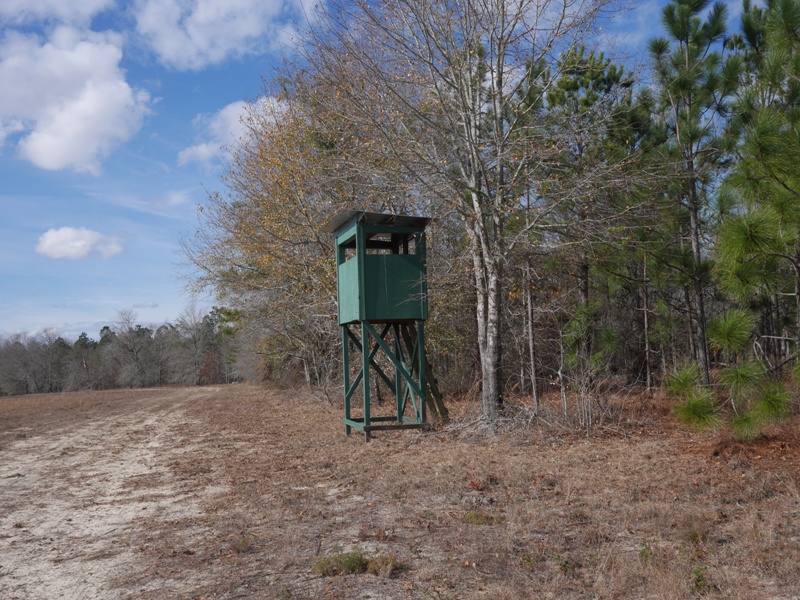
{"points": [[198, 349]]}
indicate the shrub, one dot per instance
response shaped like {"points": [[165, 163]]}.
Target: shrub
{"points": [[354, 562], [340, 563]]}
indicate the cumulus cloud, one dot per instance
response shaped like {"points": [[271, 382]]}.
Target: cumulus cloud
{"points": [[191, 34], [67, 98], [220, 129], [76, 244], [26, 11]]}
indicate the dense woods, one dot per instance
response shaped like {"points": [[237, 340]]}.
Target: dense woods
{"points": [[591, 232]]}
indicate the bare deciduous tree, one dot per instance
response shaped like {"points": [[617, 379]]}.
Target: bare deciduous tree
{"points": [[452, 90]]}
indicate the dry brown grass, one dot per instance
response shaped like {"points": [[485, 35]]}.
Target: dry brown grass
{"points": [[640, 510]]}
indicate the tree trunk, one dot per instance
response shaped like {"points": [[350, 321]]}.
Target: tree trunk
{"points": [[797, 296], [531, 341], [491, 353], [561, 385], [697, 278], [586, 343], [646, 309], [690, 322], [488, 288], [777, 343]]}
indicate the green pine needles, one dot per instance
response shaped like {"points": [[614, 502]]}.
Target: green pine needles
{"points": [[730, 333], [699, 409], [755, 398], [741, 380]]}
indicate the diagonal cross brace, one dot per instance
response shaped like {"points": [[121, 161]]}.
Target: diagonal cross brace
{"points": [[375, 365], [403, 398], [398, 365]]}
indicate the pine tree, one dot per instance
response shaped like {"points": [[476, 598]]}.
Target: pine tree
{"points": [[695, 83], [759, 245]]}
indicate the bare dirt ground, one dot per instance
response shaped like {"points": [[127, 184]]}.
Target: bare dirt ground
{"points": [[240, 492]]}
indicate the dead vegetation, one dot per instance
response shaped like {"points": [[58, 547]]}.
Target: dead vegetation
{"points": [[238, 492]]}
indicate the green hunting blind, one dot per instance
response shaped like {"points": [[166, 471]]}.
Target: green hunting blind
{"points": [[383, 305]]}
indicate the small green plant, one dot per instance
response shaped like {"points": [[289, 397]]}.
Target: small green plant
{"points": [[530, 560], [483, 517], [339, 562], [700, 583], [564, 564], [646, 554]]}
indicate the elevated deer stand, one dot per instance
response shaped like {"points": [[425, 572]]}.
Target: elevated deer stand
{"points": [[383, 305]]}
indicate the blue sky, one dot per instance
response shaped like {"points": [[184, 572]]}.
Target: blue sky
{"points": [[112, 118]]}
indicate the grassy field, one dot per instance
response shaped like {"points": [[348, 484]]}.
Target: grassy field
{"points": [[240, 492]]}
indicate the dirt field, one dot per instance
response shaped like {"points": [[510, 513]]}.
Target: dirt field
{"points": [[238, 492]]}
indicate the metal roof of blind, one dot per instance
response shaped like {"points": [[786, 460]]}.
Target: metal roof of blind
{"points": [[373, 218]]}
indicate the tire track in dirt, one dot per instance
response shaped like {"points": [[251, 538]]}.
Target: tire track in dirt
{"points": [[73, 501]]}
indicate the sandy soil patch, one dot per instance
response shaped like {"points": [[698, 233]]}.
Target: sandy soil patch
{"points": [[76, 496]]}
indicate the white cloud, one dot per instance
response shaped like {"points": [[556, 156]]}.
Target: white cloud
{"points": [[150, 304], [76, 244], [223, 128], [179, 197], [191, 34], [201, 153], [67, 98], [26, 11]]}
